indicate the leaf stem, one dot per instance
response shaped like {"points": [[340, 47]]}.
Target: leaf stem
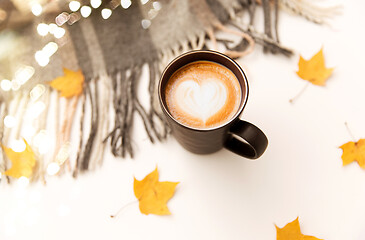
{"points": [[350, 133], [122, 208], [293, 99]]}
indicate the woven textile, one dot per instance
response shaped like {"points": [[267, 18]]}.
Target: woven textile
{"points": [[111, 54]]}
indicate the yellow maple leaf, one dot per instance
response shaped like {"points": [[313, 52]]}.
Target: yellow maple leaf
{"points": [[354, 151], [153, 195], [314, 69], [22, 162], [291, 231], [69, 85]]}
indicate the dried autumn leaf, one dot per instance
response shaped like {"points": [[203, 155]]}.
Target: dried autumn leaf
{"points": [[69, 85], [22, 162], [314, 69], [153, 195], [291, 231], [354, 151]]}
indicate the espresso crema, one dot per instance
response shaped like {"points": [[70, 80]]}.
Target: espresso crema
{"points": [[203, 95]]}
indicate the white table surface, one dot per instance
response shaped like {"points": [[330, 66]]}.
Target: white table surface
{"points": [[224, 196]]}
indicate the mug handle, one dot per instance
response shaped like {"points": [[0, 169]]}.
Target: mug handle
{"points": [[246, 140]]}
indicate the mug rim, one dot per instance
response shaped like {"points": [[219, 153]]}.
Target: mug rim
{"points": [[245, 91]]}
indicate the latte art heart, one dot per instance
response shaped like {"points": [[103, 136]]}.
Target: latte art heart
{"points": [[203, 100], [203, 95]]}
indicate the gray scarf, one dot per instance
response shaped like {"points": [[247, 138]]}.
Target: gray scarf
{"points": [[112, 53], [119, 47]]}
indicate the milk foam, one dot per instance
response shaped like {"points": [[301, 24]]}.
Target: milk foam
{"points": [[203, 94], [203, 100]]}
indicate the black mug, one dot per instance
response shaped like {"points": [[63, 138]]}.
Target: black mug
{"points": [[236, 135]]}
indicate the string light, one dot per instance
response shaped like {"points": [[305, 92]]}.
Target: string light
{"points": [[59, 32], [28, 131], [23, 74], [36, 92], [50, 49], [74, 6], [74, 17], [95, 3], [146, 23], [18, 145], [9, 121], [42, 142], [106, 13], [157, 5], [52, 28], [53, 168], [5, 85], [85, 11], [41, 58], [63, 153], [36, 9], [125, 3], [23, 182], [39, 138], [152, 13], [42, 29], [62, 18], [44, 148]]}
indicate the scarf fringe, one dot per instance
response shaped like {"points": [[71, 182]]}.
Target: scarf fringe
{"points": [[310, 10], [3, 162], [126, 103], [84, 155]]}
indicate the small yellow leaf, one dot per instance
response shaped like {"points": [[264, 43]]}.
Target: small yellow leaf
{"points": [[22, 162], [291, 231], [153, 195], [354, 151], [314, 69], [69, 85]]}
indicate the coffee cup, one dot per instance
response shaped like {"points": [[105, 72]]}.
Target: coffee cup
{"points": [[202, 94]]}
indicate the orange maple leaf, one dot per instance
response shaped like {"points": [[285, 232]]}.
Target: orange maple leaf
{"points": [[153, 195], [314, 69], [354, 151], [291, 231], [22, 162], [69, 85]]}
